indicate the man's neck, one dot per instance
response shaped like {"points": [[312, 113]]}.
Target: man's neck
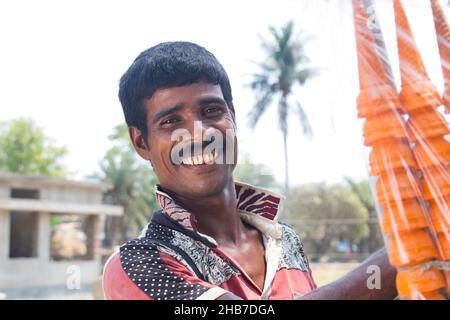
{"points": [[216, 215]]}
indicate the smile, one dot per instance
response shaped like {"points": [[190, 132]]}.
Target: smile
{"points": [[195, 160]]}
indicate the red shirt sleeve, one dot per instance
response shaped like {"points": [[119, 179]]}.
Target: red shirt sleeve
{"points": [[145, 273], [117, 285]]}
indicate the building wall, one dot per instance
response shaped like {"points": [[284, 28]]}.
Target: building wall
{"points": [[41, 271], [60, 193], [32, 272], [66, 194]]}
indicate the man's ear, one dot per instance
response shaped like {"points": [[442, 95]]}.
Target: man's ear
{"points": [[139, 143]]}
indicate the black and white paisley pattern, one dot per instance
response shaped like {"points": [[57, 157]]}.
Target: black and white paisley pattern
{"points": [[215, 268], [292, 253]]}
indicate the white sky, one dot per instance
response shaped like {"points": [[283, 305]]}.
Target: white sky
{"points": [[60, 63]]}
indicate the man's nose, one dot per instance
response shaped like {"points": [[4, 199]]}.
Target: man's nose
{"points": [[198, 131]]}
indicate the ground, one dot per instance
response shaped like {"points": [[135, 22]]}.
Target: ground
{"points": [[324, 273]]}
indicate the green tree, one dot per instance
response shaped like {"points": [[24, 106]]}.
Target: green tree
{"points": [[362, 190], [25, 149], [255, 174], [285, 66], [321, 214], [133, 184]]}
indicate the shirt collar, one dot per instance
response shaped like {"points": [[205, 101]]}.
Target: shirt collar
{"points": [[256, 206]]}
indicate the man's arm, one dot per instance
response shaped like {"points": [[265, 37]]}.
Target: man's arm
{"points": [[353, 286]]}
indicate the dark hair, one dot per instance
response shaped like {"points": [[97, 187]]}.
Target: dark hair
{"points": [[166, 65]]}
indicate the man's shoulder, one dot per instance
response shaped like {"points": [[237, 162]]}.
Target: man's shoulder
{"points": [[289, 232], [116, 283], [118, 272], [144, 270], [293, 253]]}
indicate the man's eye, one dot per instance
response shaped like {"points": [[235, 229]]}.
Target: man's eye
{"points": [[169, 121], [213, 110]]}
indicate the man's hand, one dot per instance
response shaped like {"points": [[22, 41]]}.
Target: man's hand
{"points": [[354, 285]]}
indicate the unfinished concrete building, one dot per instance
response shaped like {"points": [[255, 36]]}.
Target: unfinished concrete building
{"points": [[50, 232]]}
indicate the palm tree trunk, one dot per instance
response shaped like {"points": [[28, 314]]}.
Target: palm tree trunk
{"points": [[283, 115], [286, 172], [286, 165]]}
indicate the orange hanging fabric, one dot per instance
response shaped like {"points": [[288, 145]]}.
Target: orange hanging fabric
{"points": [[428, 128], [409, 159], [443, 40]]}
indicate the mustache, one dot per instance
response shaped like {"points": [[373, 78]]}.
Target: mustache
{"points": [[190, 147]]}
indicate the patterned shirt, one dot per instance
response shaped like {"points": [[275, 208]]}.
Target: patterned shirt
{"points": [[145, 268]]}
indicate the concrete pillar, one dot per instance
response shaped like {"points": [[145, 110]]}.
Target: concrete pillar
{"points": [[93, 231], [43, 237], [5, 191], [4, 235]]}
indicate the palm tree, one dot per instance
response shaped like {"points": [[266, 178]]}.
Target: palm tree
{"points": [[132, 186], [285, 66]]}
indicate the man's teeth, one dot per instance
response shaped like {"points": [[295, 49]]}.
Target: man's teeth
{"points": [[200, 159]]}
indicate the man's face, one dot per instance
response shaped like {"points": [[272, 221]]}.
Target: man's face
{"points": [[194, 110]]}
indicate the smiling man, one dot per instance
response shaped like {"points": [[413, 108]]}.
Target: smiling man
{"points": [[213, 238]]}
